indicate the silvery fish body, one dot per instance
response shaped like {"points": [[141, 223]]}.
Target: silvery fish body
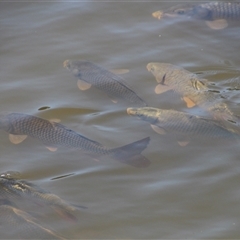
{"points": [[195, 91], [181, 123], [53, 134], [11, 188], [207, 11], [104, 80]]}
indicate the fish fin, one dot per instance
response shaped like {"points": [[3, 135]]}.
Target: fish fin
{"points": [[183, 143], [161, 89], [217, 24], [158, 130], [82, 85], [188, 102], [55, 120], [119, 71], [113, 100], [16, 139], [131, 154], [52, 149]]}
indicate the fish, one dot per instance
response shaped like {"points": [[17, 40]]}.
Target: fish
{"points": [[89, 74], [183, 125], [11, 188], [54, 135], [15, 222], [194, 90], [215, 14]]}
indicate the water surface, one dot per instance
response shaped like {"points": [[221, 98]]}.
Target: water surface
{"points": [[190, 192]]}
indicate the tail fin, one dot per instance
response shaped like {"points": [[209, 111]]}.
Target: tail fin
{"points": [[131, 153]]}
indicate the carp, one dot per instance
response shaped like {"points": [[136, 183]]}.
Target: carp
{"points": [[182, 124], [194, 91], [11, 188], [54, 135], [216, 14], [89, 74]]}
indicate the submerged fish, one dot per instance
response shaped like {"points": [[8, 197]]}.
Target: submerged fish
{"points": [[215, 14], [89, 74], [194, 91], [17, 223], [182, 124], [11, 188], [55, 135]]}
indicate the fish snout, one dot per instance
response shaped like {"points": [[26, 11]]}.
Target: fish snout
{"points": [[66, 64], [149, 67], [129, 111], [157, 14]]}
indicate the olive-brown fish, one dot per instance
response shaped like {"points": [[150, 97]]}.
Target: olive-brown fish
{"points": [[194, 91], [215, 14], [89, 74], [12, 188], [182, 124], [55, 135]]}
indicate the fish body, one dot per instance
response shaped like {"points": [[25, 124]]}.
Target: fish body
{"points": [[17, 223], [104, 80], [181, 123], [55, 135], [194, 91], [10, 187], [215, 13]]}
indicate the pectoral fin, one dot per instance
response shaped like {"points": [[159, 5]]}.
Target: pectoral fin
{"points": [[183, 143], [82, 85], [188, 102], [52, 149], [158, 129], [217, 24], [161, 89], [16, 139], [113, 100], [55, 120]]}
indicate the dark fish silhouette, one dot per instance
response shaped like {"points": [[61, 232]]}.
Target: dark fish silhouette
{"points": [[89, 74], [55, 135], [215, 14], [194, 91], [11, 188], [181, 124]]}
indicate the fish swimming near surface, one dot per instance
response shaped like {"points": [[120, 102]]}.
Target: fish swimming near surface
{"points": [[216, 14], [113, 85], [184, 125], [54, 135], [15, 222], [194, 91], [11, 188]]}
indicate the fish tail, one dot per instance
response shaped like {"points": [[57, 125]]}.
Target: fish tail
{"points": [[131, 153]]}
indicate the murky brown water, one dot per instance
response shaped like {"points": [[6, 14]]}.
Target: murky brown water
{"points": [[190, 192]]}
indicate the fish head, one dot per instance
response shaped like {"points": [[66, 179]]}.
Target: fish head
{"points": [[4, 121], [77, 67], [147, 114], [159, 71], [185, 10]]}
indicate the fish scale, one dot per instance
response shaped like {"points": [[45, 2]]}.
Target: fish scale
{"points": [[104, 80], [182, 124], [185, 82], [222, 10], [54, 135]]}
